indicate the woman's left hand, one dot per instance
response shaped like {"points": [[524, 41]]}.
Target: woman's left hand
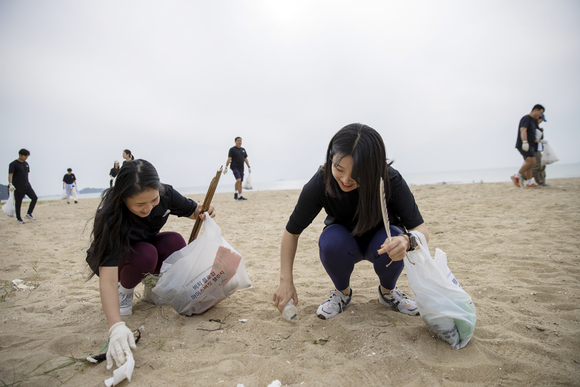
{"points": [[197, 213], [396, 248]]}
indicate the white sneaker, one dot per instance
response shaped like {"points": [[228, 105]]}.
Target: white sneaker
{"points": [[400, 301], [125, 304], [334, 305], [30, 217]]}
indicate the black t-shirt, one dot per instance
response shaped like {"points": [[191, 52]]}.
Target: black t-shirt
{"points": [[402, 209], [114, 172], [238, 156], [531, 125], [69, 179], [144, 229], [20, 171]]}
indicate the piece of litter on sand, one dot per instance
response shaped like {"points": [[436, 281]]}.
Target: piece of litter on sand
{"points": [[275, 383], [123, 372], [240, 385], [20, 284], [243, 320]]}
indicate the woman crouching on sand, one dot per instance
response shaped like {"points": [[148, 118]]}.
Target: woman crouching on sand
{"points": [[347, 187], [127, 245]]}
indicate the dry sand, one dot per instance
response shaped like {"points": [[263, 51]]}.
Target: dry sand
{"points": [[515, 251]]}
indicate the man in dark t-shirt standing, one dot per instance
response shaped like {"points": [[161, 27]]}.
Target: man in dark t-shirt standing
{"points": [[18, 182], [238, 156], [526, 145]]}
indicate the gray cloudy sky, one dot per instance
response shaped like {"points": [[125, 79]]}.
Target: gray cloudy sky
{"points": [[444, 82]]}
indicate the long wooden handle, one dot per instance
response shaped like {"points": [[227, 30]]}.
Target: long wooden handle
{"points": [[206, 203]]}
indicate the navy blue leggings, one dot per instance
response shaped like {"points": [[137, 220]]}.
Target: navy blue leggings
{"points": [[147, 258], [339, 251]]}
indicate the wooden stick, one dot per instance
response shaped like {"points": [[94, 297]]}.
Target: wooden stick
{"points": [[206, 203]]}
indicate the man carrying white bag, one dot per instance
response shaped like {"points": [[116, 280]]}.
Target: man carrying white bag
{"points": [[200, 275], [443, 304]]}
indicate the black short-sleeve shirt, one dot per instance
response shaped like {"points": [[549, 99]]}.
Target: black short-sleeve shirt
{"points": [[171, 202], [114, 172], [20, 171], [69, 179], [238, 156], [531, 125], [402, 209]]}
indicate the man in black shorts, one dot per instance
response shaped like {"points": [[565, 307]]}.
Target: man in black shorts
{"points": [[237, 156], [18, 182], [526, 145]]}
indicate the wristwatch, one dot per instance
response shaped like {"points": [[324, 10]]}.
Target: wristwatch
{"points": [[412, 241]]}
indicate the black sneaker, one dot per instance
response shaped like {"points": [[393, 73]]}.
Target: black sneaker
{"points": [[236, 196], [241, 198]]}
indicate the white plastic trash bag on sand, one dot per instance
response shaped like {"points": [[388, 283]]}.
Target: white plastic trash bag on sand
{"points": [[247, 182], [443, 304], [203, 273], [8, 207], [63, 194], [548, 155]]}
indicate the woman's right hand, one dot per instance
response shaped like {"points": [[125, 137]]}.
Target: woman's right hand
{"points": [[121, 341], [285, 292]]}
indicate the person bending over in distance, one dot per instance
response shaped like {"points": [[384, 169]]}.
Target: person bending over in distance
{"points": [[347, 187], [126, 243]]}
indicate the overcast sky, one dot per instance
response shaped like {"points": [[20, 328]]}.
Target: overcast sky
{"points": [[444, 82]]}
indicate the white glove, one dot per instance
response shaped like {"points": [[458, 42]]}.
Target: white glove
{"points": [[11, 187], [121, 339], [525, 146], [249, 170], [544, 141], [225, 170]]}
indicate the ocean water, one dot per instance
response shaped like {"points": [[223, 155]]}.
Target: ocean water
{"points": [[494, 175]]}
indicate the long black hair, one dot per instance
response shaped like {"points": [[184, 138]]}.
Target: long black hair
{"points": [[112, 221], [369, 164]]}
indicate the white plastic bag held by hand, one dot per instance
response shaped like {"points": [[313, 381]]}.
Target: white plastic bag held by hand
{"points": [[248, 182], [443, 304], [203, 273], [548, 156], [8, 207]]}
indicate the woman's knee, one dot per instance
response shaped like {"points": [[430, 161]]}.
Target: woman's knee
{"points": [[335, 239]]}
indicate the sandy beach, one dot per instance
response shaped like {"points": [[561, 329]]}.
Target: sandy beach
{"points": [[516, 252]]}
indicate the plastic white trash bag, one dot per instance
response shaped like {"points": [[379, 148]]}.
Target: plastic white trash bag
{"points": [[548, 155], [8, 207], [247, 182], [443, 304], [203, 273]]}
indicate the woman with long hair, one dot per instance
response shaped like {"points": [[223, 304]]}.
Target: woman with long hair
{"points": [[347, 187], [127, 243], [113, 173]]}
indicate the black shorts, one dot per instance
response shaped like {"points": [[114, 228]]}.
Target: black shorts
{"points": [[239, 175], [529, 153]]}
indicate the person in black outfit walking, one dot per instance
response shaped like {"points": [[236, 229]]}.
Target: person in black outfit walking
{"points": [[237, 156], [113, 173], [18, 171]]}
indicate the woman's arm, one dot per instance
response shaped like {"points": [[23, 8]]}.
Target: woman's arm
{"points": [[286, 289], [108, 283]]}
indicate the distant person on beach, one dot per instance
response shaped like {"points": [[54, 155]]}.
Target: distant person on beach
{"points": [[347, 187], [69, 184], [127, 243], [526, 145], [113, 173], [238, 156], [539, 170], [127, 156], [18, 171]]}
